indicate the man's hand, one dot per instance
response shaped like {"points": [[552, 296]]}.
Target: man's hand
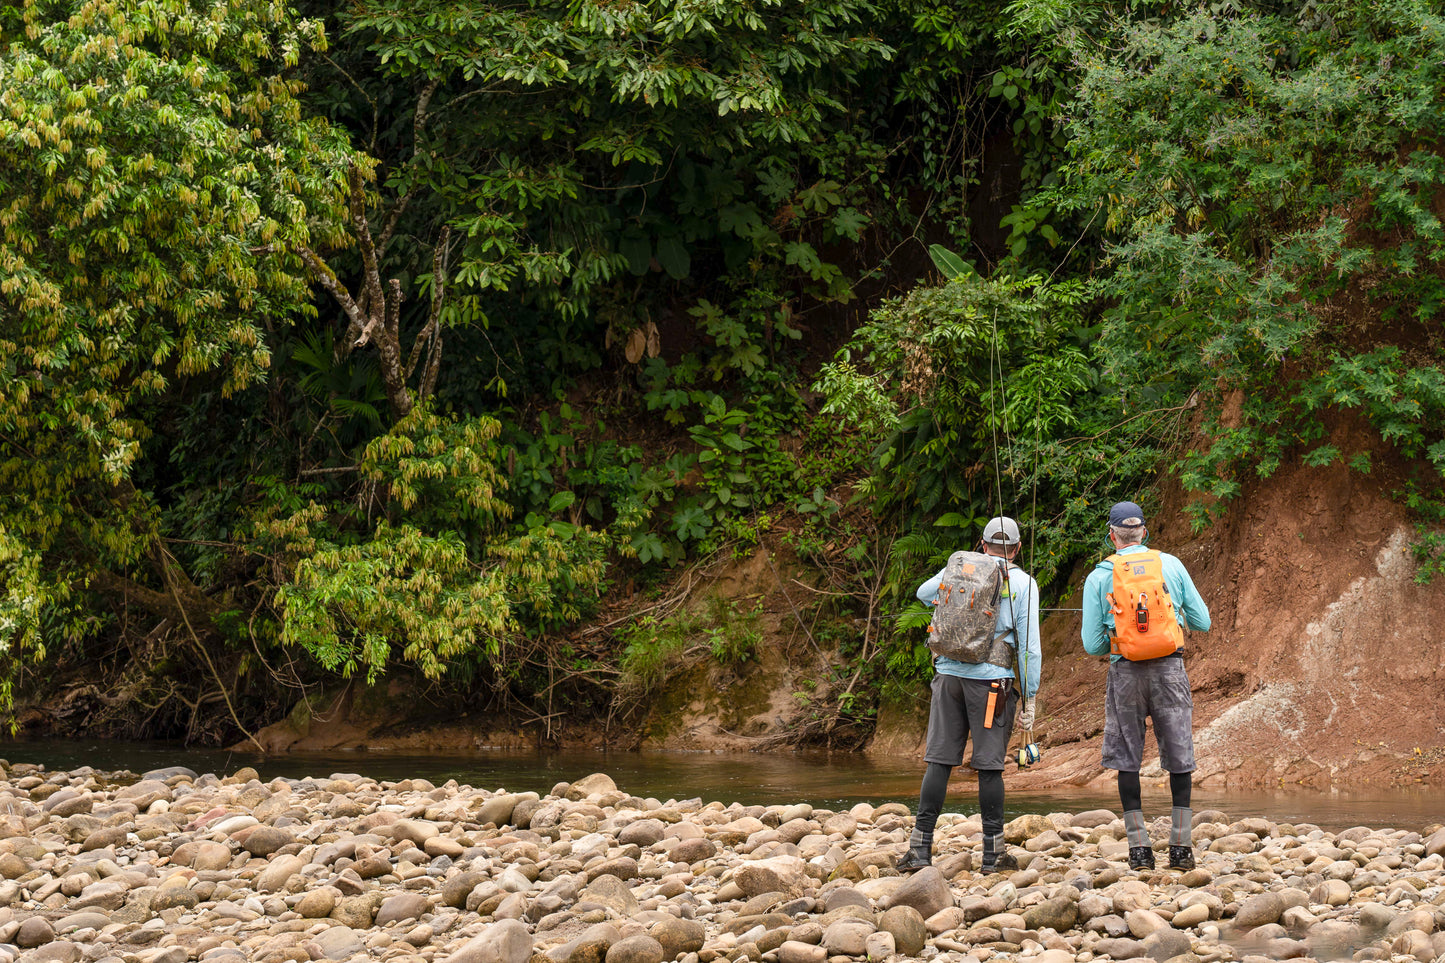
{"points": [[1025, 717]]}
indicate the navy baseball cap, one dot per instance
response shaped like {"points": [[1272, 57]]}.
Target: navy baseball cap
{"points": [[1126, 515]]}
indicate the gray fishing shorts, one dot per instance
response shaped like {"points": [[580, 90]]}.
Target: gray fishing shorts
{"points": [[960, 709], [1158, 689]]}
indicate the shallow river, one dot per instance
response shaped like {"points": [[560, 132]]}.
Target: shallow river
{"points": [[826, 780]]}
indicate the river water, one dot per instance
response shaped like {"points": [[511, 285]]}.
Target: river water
{"points": [[826, 780]]}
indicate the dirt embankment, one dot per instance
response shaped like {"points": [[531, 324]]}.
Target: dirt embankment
{"points": [[1325, 663]]}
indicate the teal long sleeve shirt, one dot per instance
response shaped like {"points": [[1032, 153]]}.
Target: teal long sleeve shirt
{"points": [[1018, 619], [1189, 607]]}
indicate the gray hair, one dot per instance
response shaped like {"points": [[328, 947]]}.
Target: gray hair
{"points": [[1127, 534]]}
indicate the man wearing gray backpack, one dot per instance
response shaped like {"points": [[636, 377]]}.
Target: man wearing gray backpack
{"points": [[986, 618]]}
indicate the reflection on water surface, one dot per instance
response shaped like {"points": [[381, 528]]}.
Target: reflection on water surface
{"points": [[826, 780]]}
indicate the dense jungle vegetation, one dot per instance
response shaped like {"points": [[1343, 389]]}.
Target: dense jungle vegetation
{"points": [[375, 337]]}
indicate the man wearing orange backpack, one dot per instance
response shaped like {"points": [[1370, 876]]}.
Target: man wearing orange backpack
{"points": [[1135, 602]]}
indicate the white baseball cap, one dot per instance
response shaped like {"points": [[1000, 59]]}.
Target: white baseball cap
{"points": [[1001, 531]]}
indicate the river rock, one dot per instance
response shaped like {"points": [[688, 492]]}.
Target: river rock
{"points": [[1259, 910], [60, 951], [1166, 944], [1119, 949], [265, 840], [1144, 923], [84, 920], [792, 951], [68, 802], [104, 838], [233, 825], [1093, 904], [203, 855], [276, 874], [611, 892], [34, 931], [144, 793], [678, 936], [498, 809], [504, 942], [402, 906], [847, 937], [1236, 843], [409, 872], [1374, 917], [642, 832], [1190, 916], [591, 946], [595, 784], [456, 889], [106, 894], [1332, 892], [636, 949], [354, 911], [340, 943], [1025, 827], [841, 896], [318, 903], [1059, 914], [693, 850], [909, 931], [926, 891], [623, 867], [1092, 819], [12, 866], [1333, 939], [879, 946], [786, 874]]}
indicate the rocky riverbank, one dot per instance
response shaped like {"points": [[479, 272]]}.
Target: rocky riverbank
{"points": [[177, 866]]}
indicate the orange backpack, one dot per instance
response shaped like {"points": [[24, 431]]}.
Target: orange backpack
{"points": [[1144, 622]]}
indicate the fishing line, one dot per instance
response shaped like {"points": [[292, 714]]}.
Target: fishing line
{"points": [[1030, 750]]}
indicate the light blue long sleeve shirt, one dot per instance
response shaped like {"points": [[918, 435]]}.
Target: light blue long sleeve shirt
{"points": [[1018, 619], [1098, 626]]}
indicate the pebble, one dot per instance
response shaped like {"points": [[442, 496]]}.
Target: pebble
{"points": [[178, 866]]}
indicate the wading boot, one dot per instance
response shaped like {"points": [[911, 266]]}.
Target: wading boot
{"points": [[1181, 857], [913, 860], [1141, 857], [996, 857]]}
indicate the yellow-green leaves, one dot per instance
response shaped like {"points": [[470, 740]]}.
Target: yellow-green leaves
{"points": [[435, 581], [153, 158]]}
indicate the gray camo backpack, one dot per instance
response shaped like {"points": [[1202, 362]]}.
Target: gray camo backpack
{"points": [[966, 611]]}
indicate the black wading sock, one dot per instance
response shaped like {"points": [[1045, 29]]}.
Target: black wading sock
{"points": [[990, 800], [930, 804], [1181, 816], [1130, 797], [1181, 785]]}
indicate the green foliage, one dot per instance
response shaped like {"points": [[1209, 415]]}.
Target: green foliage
{"points": [[429, 575], [1429, 546], [657, 648], [642, 224], [592, 157], [1260, 170], [155, 165], [970, 391]]}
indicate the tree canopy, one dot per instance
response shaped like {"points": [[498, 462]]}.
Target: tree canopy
{"points": [[388, 337]]}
